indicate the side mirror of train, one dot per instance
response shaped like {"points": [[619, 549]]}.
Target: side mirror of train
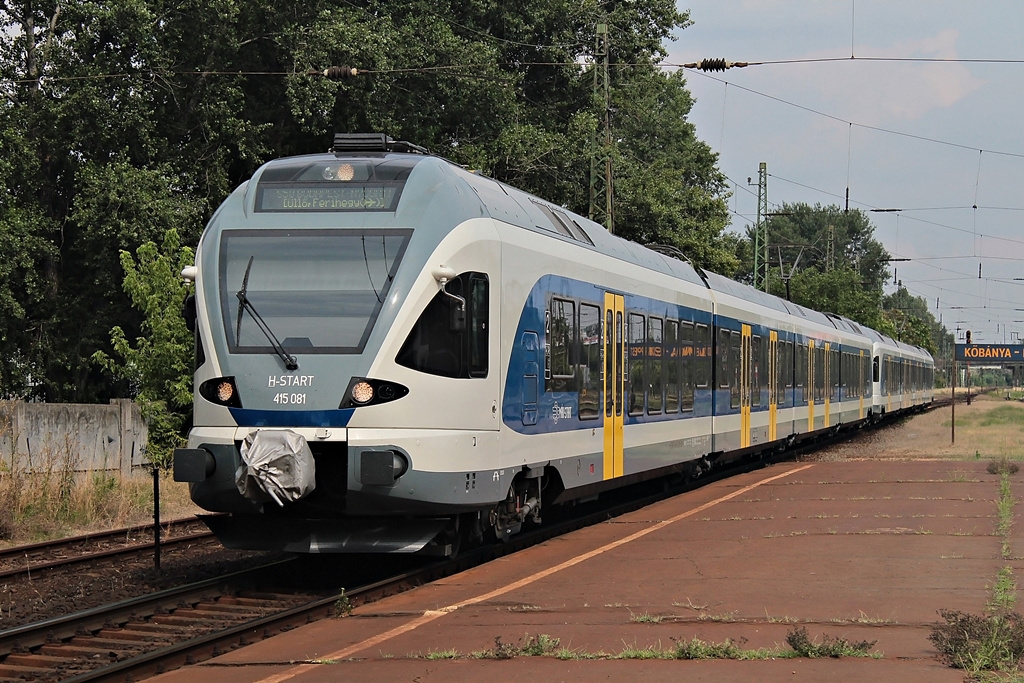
{"points": [[458, 318]]}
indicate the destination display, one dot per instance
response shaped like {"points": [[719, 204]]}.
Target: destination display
{"points": [[323, 197], [990, 353]]}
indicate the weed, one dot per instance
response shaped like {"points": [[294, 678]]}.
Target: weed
{"points": [[698, 649], [534, 646], [342, 606], [649, 652], [645, 618], [1003, 466], [979, 643], [443, 654], [802, 644], [689, 605]]}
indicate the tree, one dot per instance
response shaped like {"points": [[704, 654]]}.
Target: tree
{"points": [[158, 366], [123, 120]]}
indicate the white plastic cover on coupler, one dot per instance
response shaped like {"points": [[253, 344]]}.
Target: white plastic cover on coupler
{"points": [[276, 465]]}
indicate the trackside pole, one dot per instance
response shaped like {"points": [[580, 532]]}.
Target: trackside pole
{"points": [[952, 404], [156, 516]]}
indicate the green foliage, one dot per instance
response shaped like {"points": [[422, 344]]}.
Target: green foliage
{"points": [[993, 642], [158, 366], [804, 646], [124, 120]]}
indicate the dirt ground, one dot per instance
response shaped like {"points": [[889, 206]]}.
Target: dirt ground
{"points": [[990, 428]]}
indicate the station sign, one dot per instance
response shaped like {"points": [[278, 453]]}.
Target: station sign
{"points": [[992, 354]]}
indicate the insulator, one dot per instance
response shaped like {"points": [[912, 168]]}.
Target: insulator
{"points": [[336, 73], [713, 65]]}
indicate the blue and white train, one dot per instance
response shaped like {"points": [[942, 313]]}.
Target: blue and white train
{"points": [[395, 354]]}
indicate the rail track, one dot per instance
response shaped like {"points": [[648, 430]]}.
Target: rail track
{"points": [[28, 560], [134, 639]]}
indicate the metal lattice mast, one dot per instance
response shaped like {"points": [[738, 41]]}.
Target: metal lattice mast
{"points": [[830, 250], [601, 158], [761, 230]]}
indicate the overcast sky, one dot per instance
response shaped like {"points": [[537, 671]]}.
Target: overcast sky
{"points": [[933, 139]]}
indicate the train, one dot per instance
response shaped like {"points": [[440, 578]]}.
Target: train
{"points": [[396, 354]]}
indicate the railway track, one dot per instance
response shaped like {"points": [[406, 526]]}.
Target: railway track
{"points": [[142, 637], [24, 561]]}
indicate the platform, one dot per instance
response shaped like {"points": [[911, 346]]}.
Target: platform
{"points": [[863, 550]]}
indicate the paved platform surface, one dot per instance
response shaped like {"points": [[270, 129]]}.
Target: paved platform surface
{"points": [[862, 550]]}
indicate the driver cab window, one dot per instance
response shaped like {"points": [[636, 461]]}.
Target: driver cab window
{"points": [[450, 337]]}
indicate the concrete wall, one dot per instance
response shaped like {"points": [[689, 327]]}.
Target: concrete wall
{"points": [[39, 437]]}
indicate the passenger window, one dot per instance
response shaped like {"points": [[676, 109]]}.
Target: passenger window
{"points": [[673, 360], [702, 357], [654, 365], [688, 361], [450, 338], [590, 362], [755, 371], [561, 346], [635, 380]]}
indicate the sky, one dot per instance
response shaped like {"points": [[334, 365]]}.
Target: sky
{"points": [[934, 139]]}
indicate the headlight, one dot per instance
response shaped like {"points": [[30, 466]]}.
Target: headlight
{"points": [[362, 392], [222, 391], [225, 392]]}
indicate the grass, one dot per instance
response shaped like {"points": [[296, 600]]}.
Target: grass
{"points": [[993, 641], [58, 501], [800, 644]]}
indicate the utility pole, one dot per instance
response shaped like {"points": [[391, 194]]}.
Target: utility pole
{"points": [[830, 250], [761, 230], [601, 157]]}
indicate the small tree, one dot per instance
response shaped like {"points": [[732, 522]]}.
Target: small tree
{"points": [[158, 367]]}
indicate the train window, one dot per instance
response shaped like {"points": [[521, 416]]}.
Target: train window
{"points": [[701, 357], [723, 358], [478, 329], [673, 361], [819, 373], [755, 370], [560, 348], [655, 382], [590, 362], [833, 374], [609, 361], [800, 368], [735, 368], [689, 366], [436, 346], [635, 379]]}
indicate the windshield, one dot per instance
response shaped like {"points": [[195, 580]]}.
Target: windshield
{"points": [[318, 291]]}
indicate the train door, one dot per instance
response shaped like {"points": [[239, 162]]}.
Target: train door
{"points": [[745, 379], [810, 385], [827, 393], [773, 383], [614, 381]]}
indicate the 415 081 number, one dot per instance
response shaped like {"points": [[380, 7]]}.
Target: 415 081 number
{"points": [[290, 399]]}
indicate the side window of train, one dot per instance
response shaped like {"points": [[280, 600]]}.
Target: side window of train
{"points": [[673, 360], [723, 359], [800, 367], [655, 381], [590, 362], [560, 347], [735, 368], [450, 337], [702, 356], [689, 375], [784, 368], [756, 366], [636, 340]]}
